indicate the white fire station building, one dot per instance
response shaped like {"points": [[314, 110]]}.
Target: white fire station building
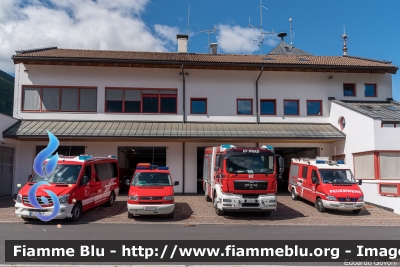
{"points": [[165, 108]]}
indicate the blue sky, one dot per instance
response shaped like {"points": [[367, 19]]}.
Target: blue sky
{"points": [[152, 25]]}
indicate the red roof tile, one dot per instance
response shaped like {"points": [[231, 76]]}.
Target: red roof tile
{"points": [[163, 57]]}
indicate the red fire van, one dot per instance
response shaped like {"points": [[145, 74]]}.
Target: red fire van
{"points": [[151, 191], [80, 183], [328, 184]]}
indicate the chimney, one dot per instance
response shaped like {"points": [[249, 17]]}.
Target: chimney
{"points": [[182, 42], [213, 47]]}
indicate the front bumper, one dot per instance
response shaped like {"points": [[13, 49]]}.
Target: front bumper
{"points": [[151, 209], [343, 205], [29, 212], [258, 203]]}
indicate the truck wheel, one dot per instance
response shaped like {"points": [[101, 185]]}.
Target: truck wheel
{"points": [[266, 213], [356, 211], [171, 215], [130, 215], [76, 213], [111, 199], [319, 205], [206, 197], [217, 211], [293, 194]]}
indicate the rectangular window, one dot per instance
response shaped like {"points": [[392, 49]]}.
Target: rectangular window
{"points": [[69, 99], [364, 167], [114, 100], [268, 107], [32, 98], [314, 107], [304, 174], [88, 100], [59, 99], [370, 90], [50, 99], [198, 106], [132, 101], [389, 165], [349, 89], [141, 101], [291, 107], [245, 106]]}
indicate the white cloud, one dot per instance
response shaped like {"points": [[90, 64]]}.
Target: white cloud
{"points": [[167, 33], [236, 39], [83, 24]]}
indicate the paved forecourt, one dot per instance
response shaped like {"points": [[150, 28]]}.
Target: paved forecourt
{"points": [[194, 210]]}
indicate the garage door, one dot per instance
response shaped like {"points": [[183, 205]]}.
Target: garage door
{"points": [[6, 170]]}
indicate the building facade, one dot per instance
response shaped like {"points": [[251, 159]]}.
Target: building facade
{"points": [[165, 108]]}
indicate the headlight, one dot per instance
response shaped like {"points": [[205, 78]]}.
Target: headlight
{"points": [[133, 198], [19, 198], [169, 198], [332, 198], [63, 199], [361, 198]]}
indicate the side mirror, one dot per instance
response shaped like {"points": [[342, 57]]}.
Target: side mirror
{"points": [[85, 180], [314, 180], [176, 183], [216, 168], [360, 182], [281, 170], [281, 162]]}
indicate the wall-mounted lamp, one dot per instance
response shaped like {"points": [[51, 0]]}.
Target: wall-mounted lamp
{"points": [[26, 71], [186, 73], [330, 77]]}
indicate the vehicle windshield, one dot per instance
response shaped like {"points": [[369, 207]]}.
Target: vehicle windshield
{"points": [[336, 176], [151, 178], [62, 174], [250, 161]]}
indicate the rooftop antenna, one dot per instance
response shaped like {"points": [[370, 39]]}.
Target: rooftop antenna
{"points": [[291, 33], [213, 30], [344, 37], [260, 40], [188, 28]]}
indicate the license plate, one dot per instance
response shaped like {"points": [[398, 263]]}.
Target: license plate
{"points": [[149, 208], [250, 201], [348, 205]]}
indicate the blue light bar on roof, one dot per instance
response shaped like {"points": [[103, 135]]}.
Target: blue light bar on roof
{"points": [[340, 161], [268, 147], [112, 156], [163, 168], [320, 162], [153, 167], [85, 157], [141, 168]]}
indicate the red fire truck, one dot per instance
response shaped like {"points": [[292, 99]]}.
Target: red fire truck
{"points": [[241, 179], [329, 184]]}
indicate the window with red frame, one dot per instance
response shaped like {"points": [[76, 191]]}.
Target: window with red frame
{"points": [[141, 101], [59, 99], [198, 105], [245, 106], [349, 89], [291, 107], [370, 90], [314, 107]]}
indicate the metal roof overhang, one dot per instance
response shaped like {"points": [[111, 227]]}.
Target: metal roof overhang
{"points": [[191, 64], [173, 131]]}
